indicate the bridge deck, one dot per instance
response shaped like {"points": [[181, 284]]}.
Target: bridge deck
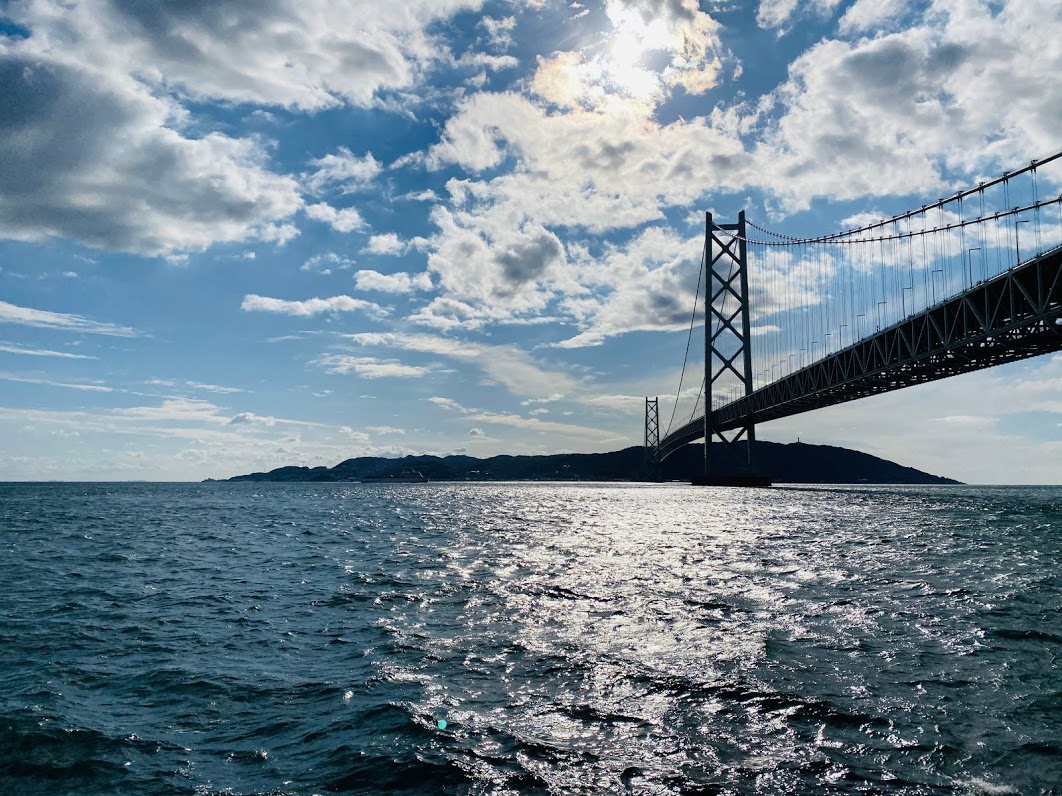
{"points": [[1013, 316]]}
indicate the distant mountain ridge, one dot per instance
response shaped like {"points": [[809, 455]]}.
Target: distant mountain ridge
{"points": [[798, 463]]}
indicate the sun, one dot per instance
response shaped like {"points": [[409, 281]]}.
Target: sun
{"points": [[633, 64], [632, 40]]}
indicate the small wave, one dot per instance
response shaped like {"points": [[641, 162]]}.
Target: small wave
{"points": [[1026, 635], [35, 751], [978, 785], [374, 774]]}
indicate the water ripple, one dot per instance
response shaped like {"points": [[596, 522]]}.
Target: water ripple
{"points": [[529, 639]]}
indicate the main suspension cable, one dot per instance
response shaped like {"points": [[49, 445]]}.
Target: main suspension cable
{"points": [[689, 338]]}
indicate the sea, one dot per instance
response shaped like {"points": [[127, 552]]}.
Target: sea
{"points": [[529, 638]]}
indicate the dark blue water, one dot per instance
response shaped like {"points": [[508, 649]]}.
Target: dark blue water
{"points": [[576, 639]]}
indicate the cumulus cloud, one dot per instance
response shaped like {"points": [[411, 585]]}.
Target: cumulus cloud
{"points": [[867, 15], [141, 175], [392, 283], [778, 13], [547, 400], [598, 171], [900, 109], [499, 31], [343, 169], [324, 263], [304, 55], [346, 220], [897, 112], [388, 243], [501, 271], [494, 63], [308, 307], [245, 418], [129, 180]]}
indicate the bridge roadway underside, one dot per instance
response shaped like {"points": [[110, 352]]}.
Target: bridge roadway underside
{"points": [[1015, 315]]}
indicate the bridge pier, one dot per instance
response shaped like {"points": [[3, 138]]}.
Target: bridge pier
{"points": [[724, 345]]}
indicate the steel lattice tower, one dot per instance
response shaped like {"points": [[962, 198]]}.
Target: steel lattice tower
{"points": [[652, 438], [727, 337]]}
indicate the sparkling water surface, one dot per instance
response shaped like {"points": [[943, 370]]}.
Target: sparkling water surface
{"points": [[529, 639]]}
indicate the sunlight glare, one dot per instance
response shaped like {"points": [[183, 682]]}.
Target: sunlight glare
{"points": [[633, 39]]}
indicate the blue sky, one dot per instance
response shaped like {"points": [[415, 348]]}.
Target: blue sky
{"points": [[235, 236]]}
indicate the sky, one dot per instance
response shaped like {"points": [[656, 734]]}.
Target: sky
{"points": [[241, 235]]}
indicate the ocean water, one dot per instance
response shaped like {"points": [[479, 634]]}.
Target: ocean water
{"points": [[529, 639]]}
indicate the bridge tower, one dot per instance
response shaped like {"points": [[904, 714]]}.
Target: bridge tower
{"points": [[727, 349], [652, 438]]}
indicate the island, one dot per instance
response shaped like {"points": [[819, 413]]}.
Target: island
{"points": [[793, 463]]}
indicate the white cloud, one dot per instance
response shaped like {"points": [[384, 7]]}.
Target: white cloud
{"points": [[26, 316], [40, 352], [130, 179], [344, 169], [192, 410], [324, 263], [386, 430], [346, 220], [775, 13], [516, 421], [495, 63], [446, 403], [252, 418], [388, 243], [867, 15], [598, 172], [627, 404], [547, 400], [216, 388], [505, 365], [778, 13], [371, 367], [504, 272], [177, 409], [427, 195], [195, 385], [355, 436], [304, 55], [308, 307], [392, 283], [50, 383], [499, 30], [142, 175], [899, 109], [677, 27]]}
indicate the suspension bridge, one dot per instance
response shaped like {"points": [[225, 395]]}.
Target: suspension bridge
{"points": [[793, 324]]}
